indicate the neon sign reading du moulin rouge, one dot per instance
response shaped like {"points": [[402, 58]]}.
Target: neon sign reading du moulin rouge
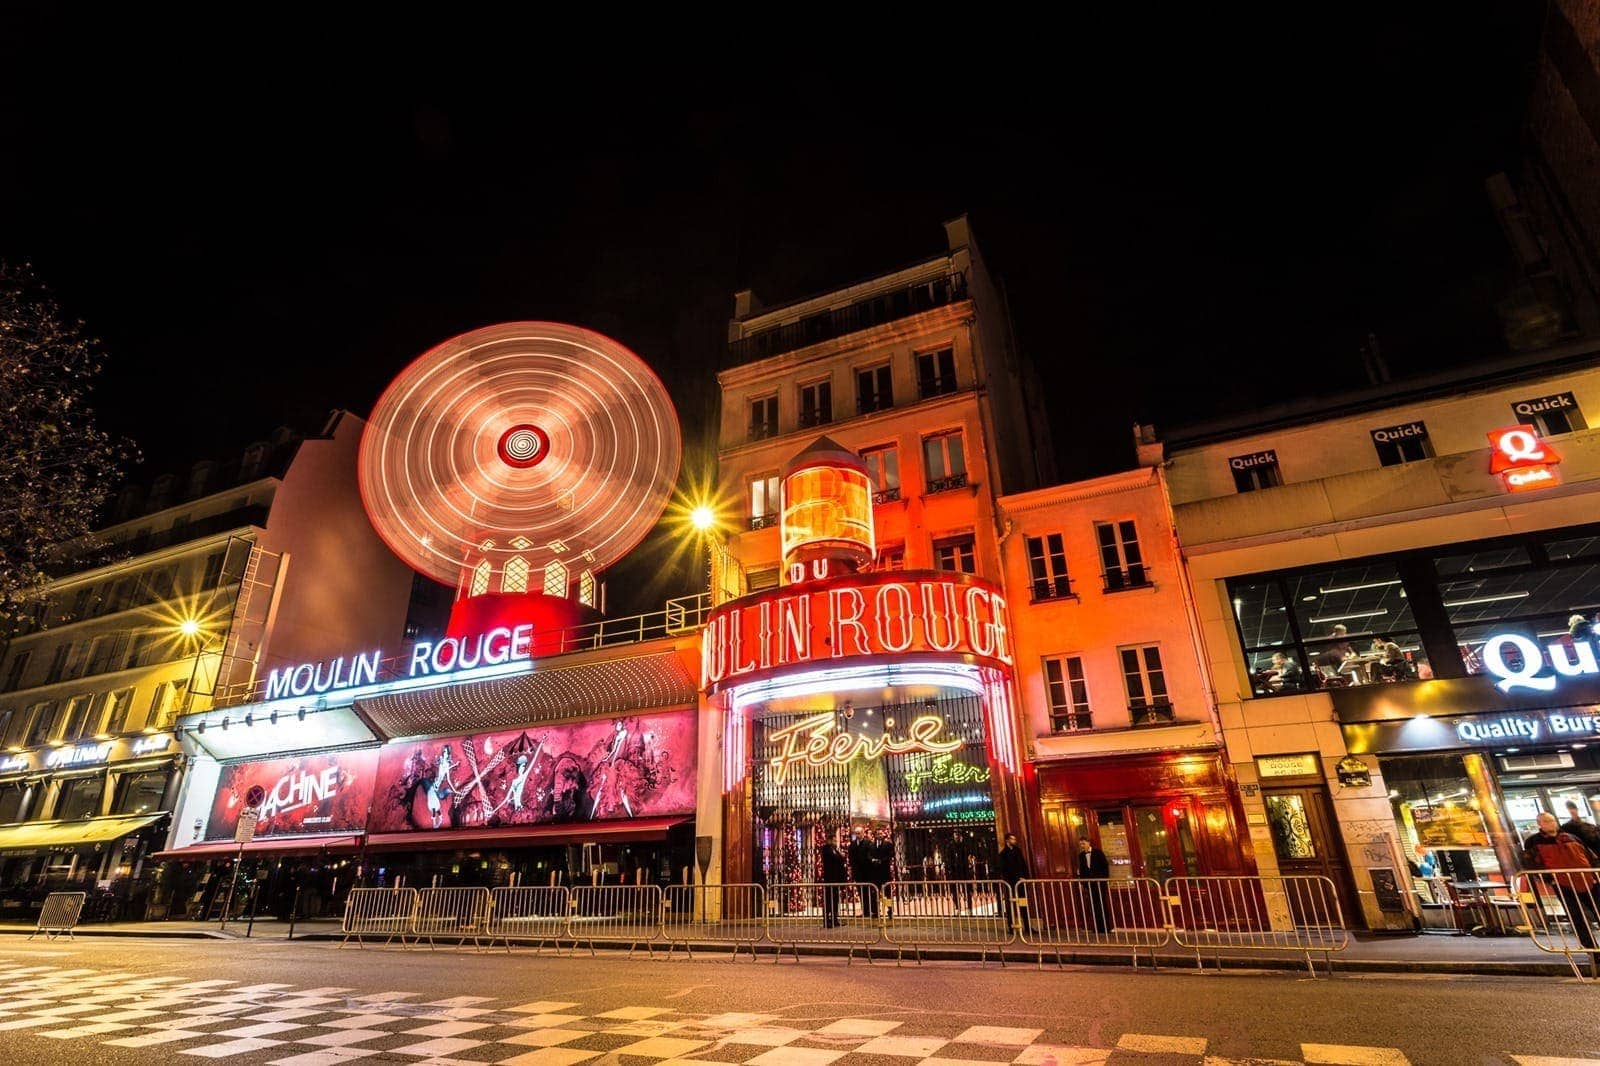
{"points": [[501, 644]]}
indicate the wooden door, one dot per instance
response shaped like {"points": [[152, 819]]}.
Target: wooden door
{"points": [[1306, 841]]}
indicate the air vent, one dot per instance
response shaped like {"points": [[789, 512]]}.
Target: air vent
{"points": [[1555, 760]]}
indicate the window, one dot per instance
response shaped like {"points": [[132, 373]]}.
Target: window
{"points": [[1068, 693], [944, 460], [16, 668], [764, 501], [764, 417], [874, 389], [480, 579], [75, 722], [586, 588], [42, 727], [883, 467], [139, 793], [166, 703], [1550, 415], [81, 797], [212, 575], [892, 557], [158, 585], [11, 797], [1257, 471], [936, 372], [1147, 685], [1120, 561], [514, 577], [1327, 627], [555, 578], [1047, 567], [1405, 443], [955, 553], [82, 603], [816, 403], [58, 664], [759, 580], [114, 711], [108, 653]]}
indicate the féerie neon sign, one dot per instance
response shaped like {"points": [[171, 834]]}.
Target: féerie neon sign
{"points": [[814, 742]]}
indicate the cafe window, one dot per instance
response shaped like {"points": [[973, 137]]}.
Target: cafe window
{"points": [[955, 553], [1550, 415], [1146, 682], [874, 389], [1121, 564], [883, 468], [764, 417], [1442, 832], [936, 372], [763, 501], [139, 793], [1405, 443], [1327, 627], [1047, 567], [944, 461], [80, 797], [1068, 693], [816, 403]]}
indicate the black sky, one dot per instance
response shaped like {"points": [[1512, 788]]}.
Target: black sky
{"points": [[265, 221]]}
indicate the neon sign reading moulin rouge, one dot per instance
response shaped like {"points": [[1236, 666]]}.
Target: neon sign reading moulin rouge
{"points": [[1573, 661], [813, 741], [498, 645]]}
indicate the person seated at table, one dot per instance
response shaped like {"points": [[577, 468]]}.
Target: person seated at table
{"points": [[1287, 675], [1391, 662], [1334, 655]]}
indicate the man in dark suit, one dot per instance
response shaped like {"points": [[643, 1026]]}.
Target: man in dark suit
{"points": [[861, 872], [1012, 866], [833, 875], [1092, 866]]}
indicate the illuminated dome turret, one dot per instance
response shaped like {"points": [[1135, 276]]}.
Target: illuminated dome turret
{"points": [[827, 510]]}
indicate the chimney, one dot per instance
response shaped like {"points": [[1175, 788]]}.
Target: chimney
{"points": [[1150, 450]]}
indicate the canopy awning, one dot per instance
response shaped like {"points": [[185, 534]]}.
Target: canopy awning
{"points": [[31, 835], [221, 849], [530, 836]]}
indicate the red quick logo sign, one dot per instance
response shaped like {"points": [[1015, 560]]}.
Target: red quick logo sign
{"points": [[1522, 458]]}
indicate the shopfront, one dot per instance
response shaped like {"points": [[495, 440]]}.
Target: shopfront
{"points": [[85, 817], [1470, 766]]}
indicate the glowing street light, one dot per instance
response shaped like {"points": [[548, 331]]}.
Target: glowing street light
{"points": [[189, 627], [703, 518]]}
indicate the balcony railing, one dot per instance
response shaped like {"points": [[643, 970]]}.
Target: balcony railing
{"points": [[878, 401], [815, 416], [945, 484], [886, 495], [763, 521], [763, 430], [1071, 722], [1059, 588], [1130, 577], [1151, 713], [870, 311], [928, 388]]}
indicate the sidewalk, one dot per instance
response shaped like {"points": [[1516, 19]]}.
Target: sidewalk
{"points": [[1426, 953]]}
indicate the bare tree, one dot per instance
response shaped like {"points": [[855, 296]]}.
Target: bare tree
{"points": [[56, 466]]}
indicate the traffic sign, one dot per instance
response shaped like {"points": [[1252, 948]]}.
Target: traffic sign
{"points": [[245, 832]]}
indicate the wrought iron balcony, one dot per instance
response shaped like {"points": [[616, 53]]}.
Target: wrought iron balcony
{"points": [[763, 430], [928, 388], [886, 495], [1151, 713], [1071, 722], [944, 484], [763, 521], [1059, 588], [815, 416], [1131, 577], [874, 310], [878, 401]]}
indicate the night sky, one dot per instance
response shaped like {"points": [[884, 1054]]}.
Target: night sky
{"points": [[265, 222]]}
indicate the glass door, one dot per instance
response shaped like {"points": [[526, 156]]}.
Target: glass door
{"points": [[1155, 843]]}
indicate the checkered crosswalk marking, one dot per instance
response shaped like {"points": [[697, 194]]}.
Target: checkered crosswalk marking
{"points": [[290, 1026]]}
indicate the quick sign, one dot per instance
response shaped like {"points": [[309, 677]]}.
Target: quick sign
{"points": [[1522, 458], [1404, 431], [499, 645], [1269, 457], [851, 618], [1539, 405], [1527, 670]]}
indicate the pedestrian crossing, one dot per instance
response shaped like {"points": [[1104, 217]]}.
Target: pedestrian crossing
{"points": [[287, 1025]]}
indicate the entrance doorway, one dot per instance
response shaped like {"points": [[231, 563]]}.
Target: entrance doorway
{"points": [[1305, 839]]}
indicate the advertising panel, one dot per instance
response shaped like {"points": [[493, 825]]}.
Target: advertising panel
{"points": [[605, 768], [321, 793]]}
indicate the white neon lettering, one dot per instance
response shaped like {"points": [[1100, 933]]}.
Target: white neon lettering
{"points": [[278, 684], [894, 611], [794, 629], [304, 676], [522, 641], [420, 651], [932, 617], [496, 655], [1520, 446], [840, 621], [439, 662], [1494, 658]]}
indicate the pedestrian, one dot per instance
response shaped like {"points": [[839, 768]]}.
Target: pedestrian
{"points": [[1551, 849], [1577, 826], [958, 869], [882, 867], [861, 872], [833, 876], [1012, 866], [1093, 867]]}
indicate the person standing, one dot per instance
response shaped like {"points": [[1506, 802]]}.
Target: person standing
{"points": [[1093, 867], [1550, 849], [833, 876], [1585, 831], [882, 866], [958, 870], [1012, 866], [861, 873]]}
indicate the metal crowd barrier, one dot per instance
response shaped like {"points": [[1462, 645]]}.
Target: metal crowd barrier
{"points": [[824, 913], [1229, 914], [59, 915], [981, 914], [460, 914], [717, 914], [1561, 910], [530, 912], [387, 912], [625, 914], [1094, 914]]}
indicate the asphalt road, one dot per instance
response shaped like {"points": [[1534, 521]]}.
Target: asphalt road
{"points": [[140, 1001]]}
